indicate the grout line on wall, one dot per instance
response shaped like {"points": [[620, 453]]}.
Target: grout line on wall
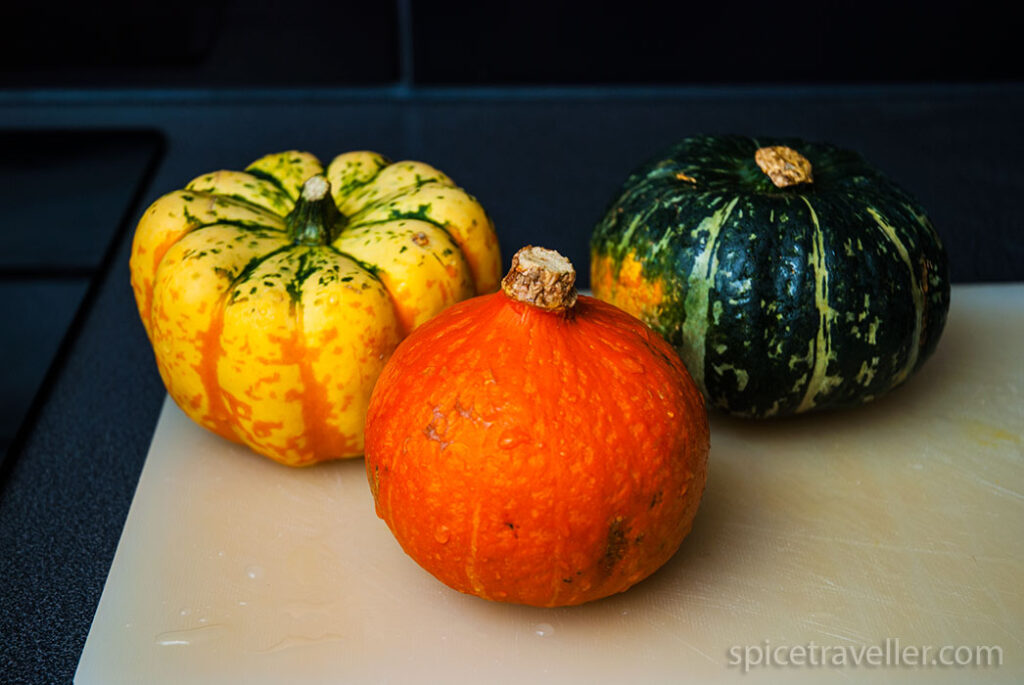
{"points": [[402, 91], [406, 62]]}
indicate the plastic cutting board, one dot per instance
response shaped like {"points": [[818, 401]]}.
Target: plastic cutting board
{"points": [[903, 519]]}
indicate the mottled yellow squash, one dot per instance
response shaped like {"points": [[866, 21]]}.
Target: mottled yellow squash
{"points": [[273, 296]]}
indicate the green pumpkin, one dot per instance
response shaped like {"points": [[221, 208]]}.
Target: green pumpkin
{"points": [[791, 276]]}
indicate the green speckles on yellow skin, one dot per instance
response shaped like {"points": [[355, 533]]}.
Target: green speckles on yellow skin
{"points": [[289, 170], [419, 264], [352, 170], [274, 340], [245, 187], [391, 181]]}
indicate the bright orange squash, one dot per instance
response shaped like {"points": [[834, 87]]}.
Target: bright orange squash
{"points": [[536, 447], [273, 296]]}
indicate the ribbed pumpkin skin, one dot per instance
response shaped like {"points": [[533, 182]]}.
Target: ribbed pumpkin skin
{"points": [[275, 339], [779, 300], [525, 456]]}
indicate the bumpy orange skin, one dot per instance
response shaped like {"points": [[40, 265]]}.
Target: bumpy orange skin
{"points": [[533, 457]]}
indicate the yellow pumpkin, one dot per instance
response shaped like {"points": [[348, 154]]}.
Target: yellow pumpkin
{"points": [[274, 296]]}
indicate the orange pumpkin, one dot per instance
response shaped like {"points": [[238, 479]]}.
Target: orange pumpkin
{"points": [[536, 447]]}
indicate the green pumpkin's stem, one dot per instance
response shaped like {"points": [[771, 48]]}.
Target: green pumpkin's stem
{"points": [[315, 220], [541, 278], [784, 165]]}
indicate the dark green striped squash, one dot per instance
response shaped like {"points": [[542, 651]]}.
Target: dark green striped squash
{"points": [[791, 276]]}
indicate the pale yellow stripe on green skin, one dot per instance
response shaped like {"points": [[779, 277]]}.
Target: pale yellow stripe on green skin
{"points": [[916, 292], [698, 294], [741, 375], [245, 187], [667, 237], [291, 169], [819, 380], [627, 236]]}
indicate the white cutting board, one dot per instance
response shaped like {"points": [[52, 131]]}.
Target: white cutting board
{"points": [[903, 519]]}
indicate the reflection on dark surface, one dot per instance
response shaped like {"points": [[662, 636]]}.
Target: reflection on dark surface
{"points": [[64, 195], [234, 43]]}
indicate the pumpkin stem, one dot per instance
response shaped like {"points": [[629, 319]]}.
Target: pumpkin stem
{"points": [[783, 165], [541, 278], [315, 219]]}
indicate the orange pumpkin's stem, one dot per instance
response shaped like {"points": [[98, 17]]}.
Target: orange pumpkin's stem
{"points": [[541, 278]]}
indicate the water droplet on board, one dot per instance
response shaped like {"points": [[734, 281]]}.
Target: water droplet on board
{"points": [[190, 636], [442, 534], [543, 630], [291, 641], [254, 572]]}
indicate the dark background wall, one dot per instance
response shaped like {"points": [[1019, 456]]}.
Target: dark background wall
{"points": [[539, 108], [470, 42], [629, 60]]}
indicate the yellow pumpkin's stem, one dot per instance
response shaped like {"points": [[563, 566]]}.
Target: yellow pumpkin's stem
{"points": [[541, 278], [315, 220]]}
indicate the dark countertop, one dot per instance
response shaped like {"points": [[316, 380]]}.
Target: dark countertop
{"points": [[543, 162]]}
